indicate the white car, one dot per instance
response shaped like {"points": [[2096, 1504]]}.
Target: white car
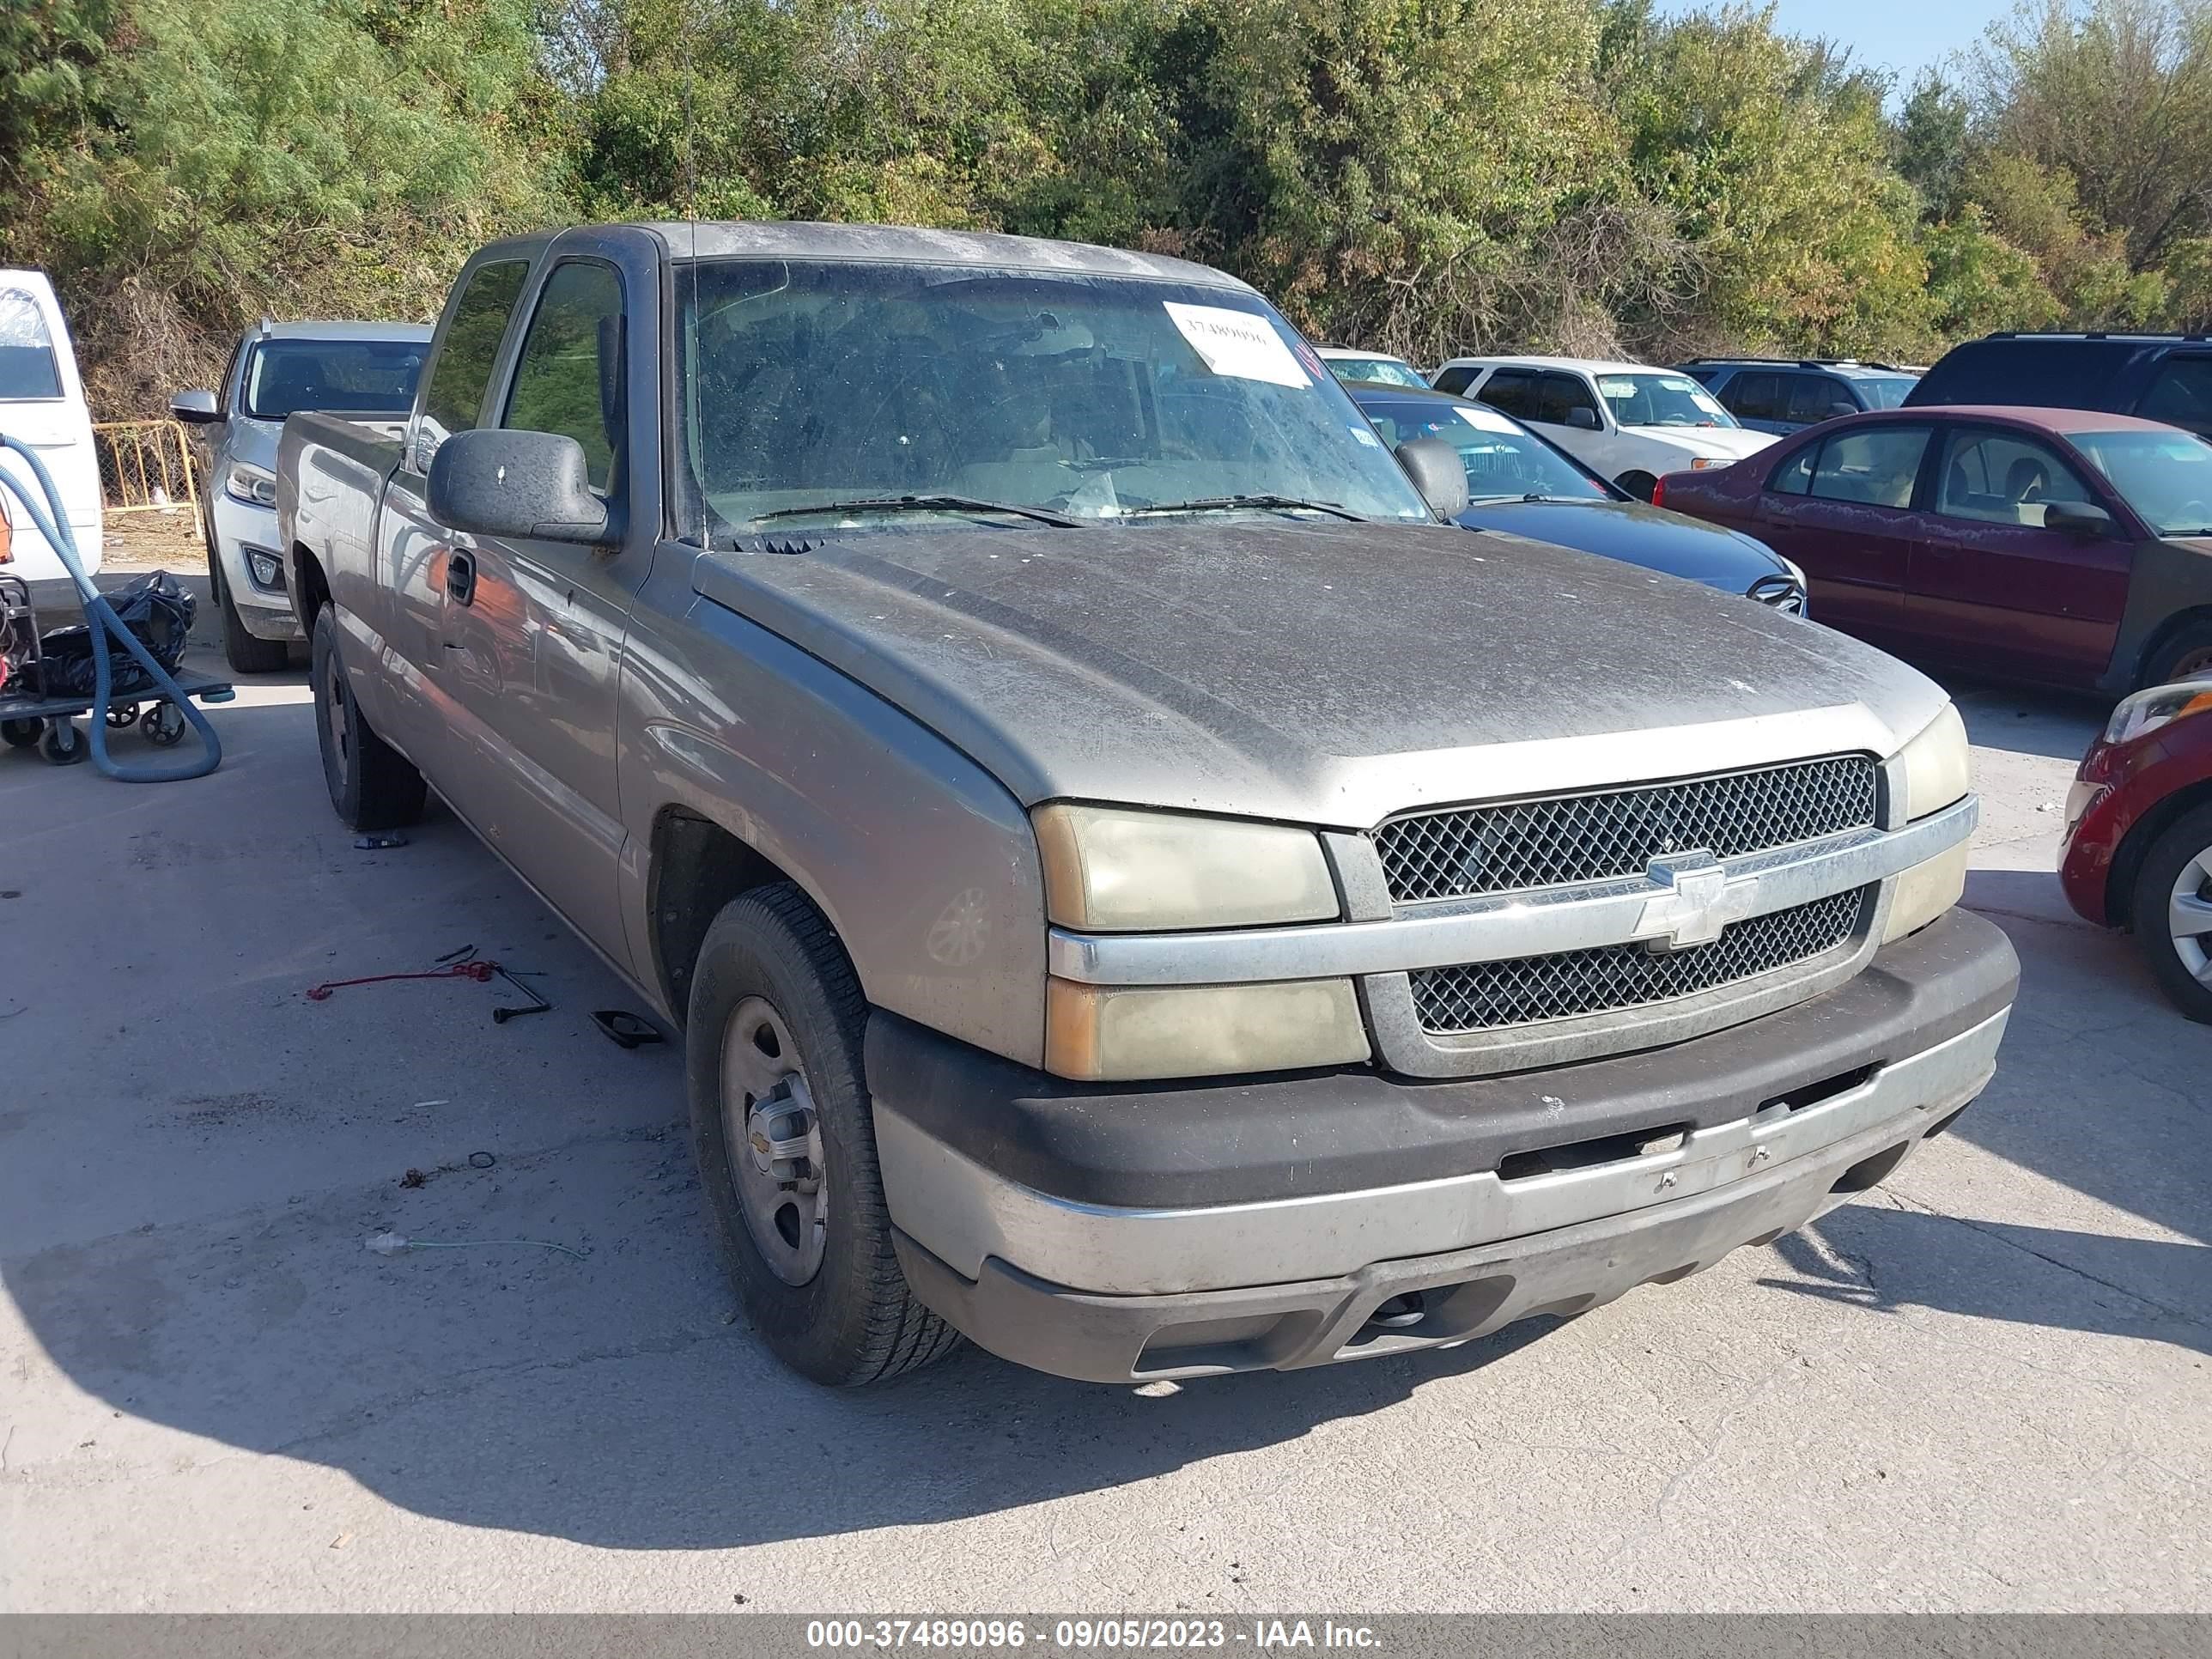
{"points": [[1631, 422], [42, 405], [1370, 368]]}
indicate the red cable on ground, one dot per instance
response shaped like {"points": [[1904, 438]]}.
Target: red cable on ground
{"points": [[479, 971]]}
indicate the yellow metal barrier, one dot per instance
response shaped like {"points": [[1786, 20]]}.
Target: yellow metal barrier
{"points": [[145, 466]]}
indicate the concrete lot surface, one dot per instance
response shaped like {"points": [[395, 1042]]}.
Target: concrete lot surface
{"points": [[1984, 1387]]}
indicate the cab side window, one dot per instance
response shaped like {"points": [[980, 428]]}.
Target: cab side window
{"points": [[1754, 397], [460, 374], [1560, 395], [1457, 380], [1813, 397], [1514, 391], [2181, 395], [568, 378]]}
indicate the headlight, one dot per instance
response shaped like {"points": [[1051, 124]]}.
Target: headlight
{"points": [[2146, 711], [1926, 891], [1936, 765], [254, 485], [1111, 870], [1104, 1033]]}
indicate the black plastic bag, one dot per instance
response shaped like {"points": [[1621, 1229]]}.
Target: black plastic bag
{"points": [[158, 611]]}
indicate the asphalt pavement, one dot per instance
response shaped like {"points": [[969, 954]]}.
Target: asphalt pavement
{"points": [[1983, 1386]]}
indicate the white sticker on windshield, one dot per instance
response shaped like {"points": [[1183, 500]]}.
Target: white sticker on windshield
{"points": [[1236, 344], [1366, 435], [1617, 388], [1484, 420]]}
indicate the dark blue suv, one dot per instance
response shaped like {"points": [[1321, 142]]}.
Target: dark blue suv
{"points": [[1785, 395]]}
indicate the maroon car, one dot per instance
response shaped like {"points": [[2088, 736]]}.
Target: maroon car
{"points": [[2138, 848], [2058, 545]]}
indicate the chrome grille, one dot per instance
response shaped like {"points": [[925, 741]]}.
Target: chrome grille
{"points": [[1542, 844], [1485, 996]]}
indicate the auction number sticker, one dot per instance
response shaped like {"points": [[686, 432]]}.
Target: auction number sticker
{"points": [[1236, 344], [1483, 420]]}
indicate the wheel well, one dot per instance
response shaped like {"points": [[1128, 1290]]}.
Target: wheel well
{"points": [[698, 867], [2127, 863], [2174, 624], [310, 587]]}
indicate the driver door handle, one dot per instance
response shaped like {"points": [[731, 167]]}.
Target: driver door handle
{"points": [[460, 577]]}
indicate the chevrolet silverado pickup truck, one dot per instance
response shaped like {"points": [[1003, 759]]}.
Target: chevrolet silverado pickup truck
{"points": [[1137, 886]]}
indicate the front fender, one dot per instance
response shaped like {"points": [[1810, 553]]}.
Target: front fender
{"points": [[923, 862]]}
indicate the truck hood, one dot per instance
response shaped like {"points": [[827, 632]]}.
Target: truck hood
{"points": [[1712, 443], [1321, 673]]}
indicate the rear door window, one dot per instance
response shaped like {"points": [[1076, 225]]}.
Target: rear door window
{"points": [[1754, 397], [460, 374], [1875, 466], [2180, 394], [1513, 390], [27, 368]]}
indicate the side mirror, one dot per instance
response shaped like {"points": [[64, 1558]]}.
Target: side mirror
{"points": [[1839, 409], [2077, 519], [1436, 472], [518, 485], [197, 407], [1582, 419]]}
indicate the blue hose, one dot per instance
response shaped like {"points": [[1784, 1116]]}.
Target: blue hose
{"points": [[100, 617]]}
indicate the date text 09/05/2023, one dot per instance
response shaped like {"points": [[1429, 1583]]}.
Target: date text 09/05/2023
{"points": [[1124, 1634]]}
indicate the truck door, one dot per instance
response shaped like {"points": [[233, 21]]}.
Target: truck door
{"points": [[535, 629], [415, 707]]}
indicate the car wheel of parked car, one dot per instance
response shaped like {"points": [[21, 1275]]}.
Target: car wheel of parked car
{"points": [[245, 653], [372, 785], [2186, 652], [1639, 483], [781, 1129], [2173, 912]]}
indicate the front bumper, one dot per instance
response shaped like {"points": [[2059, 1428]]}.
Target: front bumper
{"points": [[237, 526], [1180, 1230]]}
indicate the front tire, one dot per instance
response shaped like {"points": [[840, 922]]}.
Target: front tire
{"points": [[1639, 483], [244, 653], [786, 1145], [372, 785], [2172, 907]]}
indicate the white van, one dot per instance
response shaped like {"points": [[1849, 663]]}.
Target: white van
{"points": [[42, 403]]}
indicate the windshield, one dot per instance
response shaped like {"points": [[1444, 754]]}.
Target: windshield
{"points": [[1660, 400], [2166, 477], [360, 377], [27, 368], [1504, 459], [808, 384], [1884, 391], [1376, 371]]}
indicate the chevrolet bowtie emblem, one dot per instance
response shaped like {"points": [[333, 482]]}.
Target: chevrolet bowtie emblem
{"points": [[1697, 901]]}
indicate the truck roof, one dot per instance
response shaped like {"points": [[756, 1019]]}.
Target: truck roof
{"points": [[902, 245]]}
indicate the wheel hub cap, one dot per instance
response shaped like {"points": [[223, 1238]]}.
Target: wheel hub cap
{"points": [[2189, 916], [773, 1138]]}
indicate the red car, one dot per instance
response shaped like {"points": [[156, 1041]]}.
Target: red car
{"points": [[2139, 835], [2058, 545]]}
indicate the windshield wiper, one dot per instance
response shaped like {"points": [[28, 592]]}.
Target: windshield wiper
{"points": [[1228, 503], [932, 503]]}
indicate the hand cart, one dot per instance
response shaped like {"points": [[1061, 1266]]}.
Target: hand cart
{"points": [[28, 716]]}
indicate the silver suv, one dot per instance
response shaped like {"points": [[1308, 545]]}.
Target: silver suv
{"points": [[364, 370]]}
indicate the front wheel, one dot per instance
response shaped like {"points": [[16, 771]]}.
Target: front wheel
{"points": [[2184, 655], [2173, 911], [373, 786], [786, 1145], [1639, 483], [243, 652]]}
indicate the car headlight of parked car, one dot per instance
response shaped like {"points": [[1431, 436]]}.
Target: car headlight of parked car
{"points": [[2146, 711], [254, 485], [1113, 870], [1935, 770]]}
